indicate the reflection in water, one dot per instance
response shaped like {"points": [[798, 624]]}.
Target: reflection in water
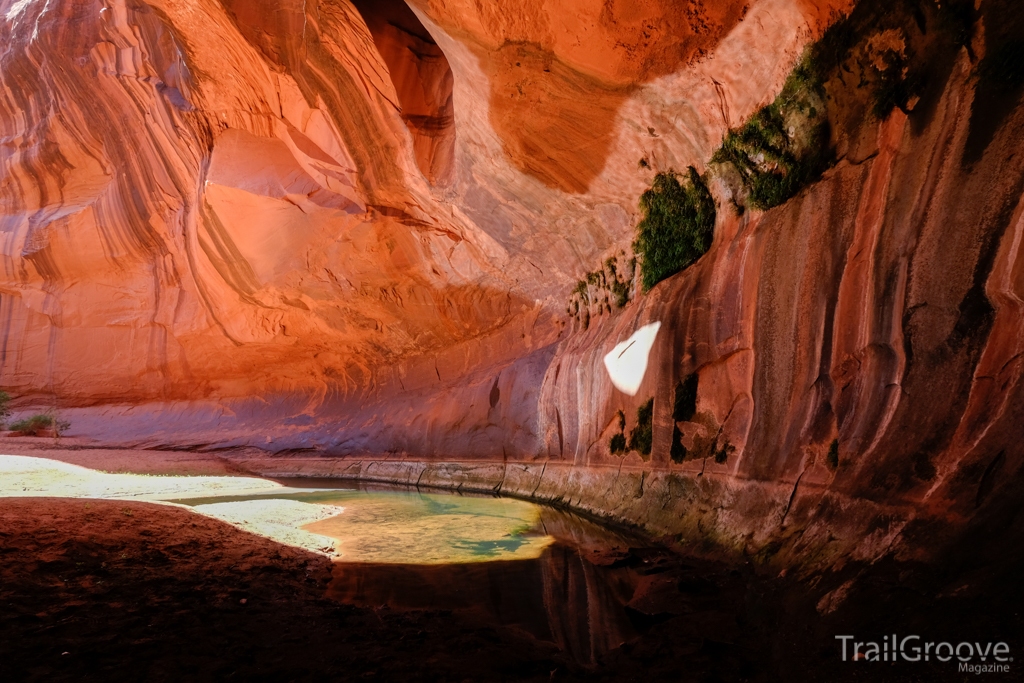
{"points": [[559, 597], [565, 596], [574, 587], [497, 561]]}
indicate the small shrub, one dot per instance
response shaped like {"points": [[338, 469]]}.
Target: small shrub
{"points": [[582, 291], [783, 146], [39, 423], [621, 292], [678, 451], [722, 454], [600, 290], [891, 92], [617, 445], [642, 436], [677, 225], [32, 425], [683, 410], [686, 399], [832, 459]]}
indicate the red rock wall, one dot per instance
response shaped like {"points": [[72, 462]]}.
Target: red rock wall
{"points": [[353, 228], [224, 200]]}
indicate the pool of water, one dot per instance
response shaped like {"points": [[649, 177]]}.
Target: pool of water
{"points": [[412, 527], [498, 561]]}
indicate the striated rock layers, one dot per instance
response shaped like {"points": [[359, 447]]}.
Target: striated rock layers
{"points": [[353, 227]]}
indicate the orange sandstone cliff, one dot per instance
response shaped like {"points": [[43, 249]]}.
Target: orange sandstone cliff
{"points": [[351, 228]]}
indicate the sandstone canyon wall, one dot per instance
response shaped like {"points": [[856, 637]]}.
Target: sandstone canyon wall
{"points": [[352, 228]]}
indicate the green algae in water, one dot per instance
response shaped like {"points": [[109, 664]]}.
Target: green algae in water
{"points": [[411, 527], [425, 528], [491, 548]]}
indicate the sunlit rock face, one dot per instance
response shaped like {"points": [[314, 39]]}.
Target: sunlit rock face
{"points": [[423, 82], [192, 209], [250, 198], [354, 227]]}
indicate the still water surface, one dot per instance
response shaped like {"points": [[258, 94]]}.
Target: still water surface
{"points": [[496, 560]]}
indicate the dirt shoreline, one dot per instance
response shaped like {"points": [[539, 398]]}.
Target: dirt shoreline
{"points": [[141, 591], [95, 590], [85, 453], [133, 591]]}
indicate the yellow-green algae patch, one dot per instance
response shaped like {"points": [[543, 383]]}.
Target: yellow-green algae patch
{"points": [[397, 527], [427, 528]]}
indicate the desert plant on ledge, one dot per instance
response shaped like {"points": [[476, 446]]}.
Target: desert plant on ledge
{"points": [[677, 225], [617, 444], [32, 426], [603, 290], [784, 146], [642, 437]]}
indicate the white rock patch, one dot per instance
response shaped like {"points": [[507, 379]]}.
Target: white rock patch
{"points": [[627, 362]]}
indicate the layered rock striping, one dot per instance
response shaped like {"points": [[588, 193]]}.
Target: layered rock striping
{"points": [[352, 228]]}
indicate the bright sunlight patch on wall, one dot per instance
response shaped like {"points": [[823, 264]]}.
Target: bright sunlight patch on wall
{"points": [[627, 362]]}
